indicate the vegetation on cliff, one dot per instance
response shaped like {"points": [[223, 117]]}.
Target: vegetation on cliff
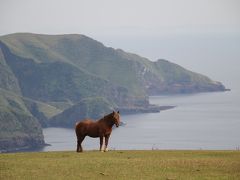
{"points": [[19, 128]]}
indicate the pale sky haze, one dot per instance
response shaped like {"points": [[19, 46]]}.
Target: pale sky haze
{"points": [[120, 17]]}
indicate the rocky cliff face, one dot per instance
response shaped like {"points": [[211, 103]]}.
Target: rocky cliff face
{"points": [[170, 78], [19, 129]]}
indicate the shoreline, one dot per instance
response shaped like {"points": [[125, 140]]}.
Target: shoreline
{"points": [[150, 109], [24, 149]]}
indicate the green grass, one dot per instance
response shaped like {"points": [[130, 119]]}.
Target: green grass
{"points": [[122, 165]]}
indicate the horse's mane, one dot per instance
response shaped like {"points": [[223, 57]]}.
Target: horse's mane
{"points": [[108, 119]]}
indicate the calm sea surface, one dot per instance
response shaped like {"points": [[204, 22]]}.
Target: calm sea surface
{"points": [[200, 121]]}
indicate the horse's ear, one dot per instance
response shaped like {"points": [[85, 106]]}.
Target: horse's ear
{"points": [[113, 112], [118, 112]]}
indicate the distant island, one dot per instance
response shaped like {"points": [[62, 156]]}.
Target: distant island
{"points": [[55, 80]]}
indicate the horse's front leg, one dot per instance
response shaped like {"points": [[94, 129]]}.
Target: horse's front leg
{"points": [[106, 142], [101, 143]]}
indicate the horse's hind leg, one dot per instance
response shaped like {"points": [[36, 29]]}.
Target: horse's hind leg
{"points": [[79, 143], [101, 143], [78, 146]]}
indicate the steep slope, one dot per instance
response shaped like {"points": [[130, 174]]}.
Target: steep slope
{"points": [[60, 81], [41, 111], [8, 80], [19, 129]]}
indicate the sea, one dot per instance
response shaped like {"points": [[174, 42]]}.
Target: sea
{"points": [[204, 121]]}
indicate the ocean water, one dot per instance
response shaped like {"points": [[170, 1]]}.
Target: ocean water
{"points": [[209, 121]]}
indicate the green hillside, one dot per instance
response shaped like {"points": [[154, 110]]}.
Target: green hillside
{"points": [[79, 51], [170, 78], [95, 108], [109, 64], [59, 79], [19, 129], [7, 79]]}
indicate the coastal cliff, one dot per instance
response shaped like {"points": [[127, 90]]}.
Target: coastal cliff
{"points": [[46, 78]]}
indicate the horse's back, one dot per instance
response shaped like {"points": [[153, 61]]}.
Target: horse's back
{"points": [[87, 127], [82, 126], [84, 121]]}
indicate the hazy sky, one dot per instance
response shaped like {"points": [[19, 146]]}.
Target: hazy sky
{"points": [[119, 17], [187, 32]]}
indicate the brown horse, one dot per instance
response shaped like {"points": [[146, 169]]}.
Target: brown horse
{"points": [[101, 128]]}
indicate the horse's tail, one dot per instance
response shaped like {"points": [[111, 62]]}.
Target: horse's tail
{"points": [[76, 127], [76, 124]]}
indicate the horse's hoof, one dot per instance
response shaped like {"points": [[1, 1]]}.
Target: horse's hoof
{"points": [[106, 150]]}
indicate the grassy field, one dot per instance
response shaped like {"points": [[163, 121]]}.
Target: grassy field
{"points": [[121, 165]]}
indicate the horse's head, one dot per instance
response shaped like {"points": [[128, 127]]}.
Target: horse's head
{"points": [[116, 118]]}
